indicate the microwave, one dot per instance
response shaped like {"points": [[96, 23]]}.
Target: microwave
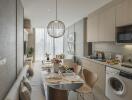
{"points": [[124, 35]]}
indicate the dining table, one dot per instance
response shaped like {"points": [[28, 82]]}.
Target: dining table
{"points": [[58, 84]]}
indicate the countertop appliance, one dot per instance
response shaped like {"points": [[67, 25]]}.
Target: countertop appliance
{"points": [[124, 34], [118, 84]]}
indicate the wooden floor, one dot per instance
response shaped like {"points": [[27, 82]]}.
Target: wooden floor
{"points": [[38, 89], [38, 93]]}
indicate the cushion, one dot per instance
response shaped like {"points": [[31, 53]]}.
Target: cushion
{"points": [[24, 92], [84, 89], [27, 84], [30, 72]]}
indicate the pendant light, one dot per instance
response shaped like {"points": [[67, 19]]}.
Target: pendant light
{"points": [[56, 28]]}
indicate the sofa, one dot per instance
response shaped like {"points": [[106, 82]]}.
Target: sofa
{"points": [[36, 94]]}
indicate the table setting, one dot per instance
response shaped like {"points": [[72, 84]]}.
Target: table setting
{"points": [[63, 78], [59, 78]]}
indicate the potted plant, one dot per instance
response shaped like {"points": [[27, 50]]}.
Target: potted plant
{"points": [[30, 51]]}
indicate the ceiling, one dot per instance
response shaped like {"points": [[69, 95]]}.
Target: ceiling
{"points": [[42, 11]]}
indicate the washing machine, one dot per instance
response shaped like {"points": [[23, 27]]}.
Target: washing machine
{"points": [[118, 84]]}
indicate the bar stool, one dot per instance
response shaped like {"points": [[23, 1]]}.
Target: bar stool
{"points": [[87, 87]]}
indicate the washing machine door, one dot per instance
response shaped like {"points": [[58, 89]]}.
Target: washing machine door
{"points": [[117, 85]]}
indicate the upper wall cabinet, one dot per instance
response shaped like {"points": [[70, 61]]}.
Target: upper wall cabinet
{"points": [[107, 24], [101, 25], [122, 16], [92, 28], [103, 22], [124, 13], [130, 11]]}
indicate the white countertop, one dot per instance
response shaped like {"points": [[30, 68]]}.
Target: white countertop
{"points": [[118, 66]]}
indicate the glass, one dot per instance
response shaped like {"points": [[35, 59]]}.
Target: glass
{"points": [[44, 44], [116, 84]]}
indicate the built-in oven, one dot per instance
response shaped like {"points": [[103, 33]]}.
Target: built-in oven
{"points": [[124, 34]]}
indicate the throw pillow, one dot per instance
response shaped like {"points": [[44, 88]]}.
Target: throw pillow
{"points": [[27, 84], [24, 92]]}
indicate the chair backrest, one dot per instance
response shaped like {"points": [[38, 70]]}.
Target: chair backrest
{"points": [[78, 69], [90, 77]]}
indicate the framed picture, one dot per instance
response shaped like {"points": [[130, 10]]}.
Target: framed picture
{"points": [[70, 37], [71, 43]]}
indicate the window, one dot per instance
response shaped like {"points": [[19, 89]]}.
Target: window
{"points": [[45, 44]]}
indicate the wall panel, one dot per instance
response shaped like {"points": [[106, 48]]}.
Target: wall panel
{"points": [[7, 44], [20, 37]]}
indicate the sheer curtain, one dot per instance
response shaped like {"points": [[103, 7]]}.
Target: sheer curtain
{"points": [[44, 44]]}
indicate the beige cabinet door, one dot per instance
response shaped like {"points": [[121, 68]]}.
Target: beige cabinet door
{"points": [[107, 24], [92, 28], [130, 11], [96, 68], [100, 70], [122, 15]]}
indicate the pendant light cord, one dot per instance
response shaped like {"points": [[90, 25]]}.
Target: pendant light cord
{"points": [[56, 9]]}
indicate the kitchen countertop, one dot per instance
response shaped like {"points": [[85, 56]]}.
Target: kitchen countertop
{"points": [[117, 66]]}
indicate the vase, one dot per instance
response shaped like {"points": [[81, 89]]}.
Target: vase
{"points": [[47, 58], [56, 65]]}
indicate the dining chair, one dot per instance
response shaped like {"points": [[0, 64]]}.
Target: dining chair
{"points": [[87, 88], [77, 68]]}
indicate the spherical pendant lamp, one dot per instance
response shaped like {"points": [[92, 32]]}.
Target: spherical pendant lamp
{"points": [[56, 28]]}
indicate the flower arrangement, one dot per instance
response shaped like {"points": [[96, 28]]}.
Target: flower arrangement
{"points": [[56, 61]]}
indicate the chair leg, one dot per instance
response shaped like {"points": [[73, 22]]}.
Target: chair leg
{"points": [[93, 96], [77, 95], [82, 96]]}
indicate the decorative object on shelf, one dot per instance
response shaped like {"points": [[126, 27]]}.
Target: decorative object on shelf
{"points": [[56, 28], [30, 51], [27, 25], [47, 56], [60, 56]]}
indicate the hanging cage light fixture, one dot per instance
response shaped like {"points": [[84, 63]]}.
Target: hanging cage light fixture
{"points": [[56, 28]]}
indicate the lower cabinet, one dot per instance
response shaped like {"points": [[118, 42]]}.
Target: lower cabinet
{"points": [[86, 97], [99, 89]]}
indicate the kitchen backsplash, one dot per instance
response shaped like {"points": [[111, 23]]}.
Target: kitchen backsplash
{"points": [[113, 48]]}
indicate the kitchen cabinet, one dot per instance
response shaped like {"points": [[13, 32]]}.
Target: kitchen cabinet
{"points": [[98, 68], [122, 16], [101, 25], [81, 46], [124, 13], [107, 24], [130, 11], [92, 28]]}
